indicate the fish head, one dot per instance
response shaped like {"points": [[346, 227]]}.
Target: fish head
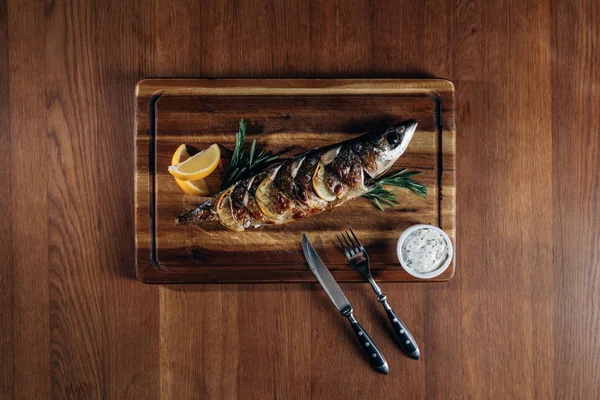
{"points": [[396, 139], [381, 150]]}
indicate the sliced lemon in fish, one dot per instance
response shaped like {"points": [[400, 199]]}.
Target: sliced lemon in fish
{"points": [[200, 187], [321, 188], [198, 166], [223, 206], [263, 194], [226, 216], [221, 197]]}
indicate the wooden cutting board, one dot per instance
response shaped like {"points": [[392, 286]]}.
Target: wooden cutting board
{"points": [[289, 115]]}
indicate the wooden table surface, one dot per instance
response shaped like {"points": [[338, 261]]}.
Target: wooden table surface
{"points": [[519, 319]]}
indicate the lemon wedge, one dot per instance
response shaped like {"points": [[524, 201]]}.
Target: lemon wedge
{"points": [[181, 154], [198, 166], [196, 188], [200, 187]]}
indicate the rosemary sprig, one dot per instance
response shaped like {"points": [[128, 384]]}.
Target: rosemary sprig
{"points": [[403, 179], [244, 163], [400, 179]]}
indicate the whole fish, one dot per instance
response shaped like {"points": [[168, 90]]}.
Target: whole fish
{"points": [[307, 184]]}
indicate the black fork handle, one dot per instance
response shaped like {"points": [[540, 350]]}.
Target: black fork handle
{"points": [[407, 341]]}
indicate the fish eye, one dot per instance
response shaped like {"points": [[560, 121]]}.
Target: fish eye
{"points": [[393, 138]]}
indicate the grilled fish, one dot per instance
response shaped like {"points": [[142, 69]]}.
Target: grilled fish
{"points": [[307, 184]]}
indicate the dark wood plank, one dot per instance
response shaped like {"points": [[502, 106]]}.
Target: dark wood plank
{"points": [[78, 334], [528, 148], [511, 173], [29, 200], [286, 324], [195, 362], [6, 273], [576, 197], [338, 32], [130, 313]]}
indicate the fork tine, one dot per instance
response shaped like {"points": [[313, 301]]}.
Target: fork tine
{"points": [[357, 241], [354, 245], [344, 248], [350, 239], [354, 248], [350, 247]]}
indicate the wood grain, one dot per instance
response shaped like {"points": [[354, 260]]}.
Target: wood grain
{"points": [[79, 335], [30, 246], [512, 174], [576, 198], [6, 273], [287, 117], [131, 359], [94, 321], [518, 320]]}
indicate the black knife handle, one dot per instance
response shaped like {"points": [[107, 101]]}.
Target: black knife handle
{"points": [[407, 342], [366, 343]]}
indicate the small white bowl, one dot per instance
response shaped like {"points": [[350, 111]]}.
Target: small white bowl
{"points": [[424, 275]]}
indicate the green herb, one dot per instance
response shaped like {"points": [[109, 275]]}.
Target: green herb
{"points": [[244, 163], [381, 196]]}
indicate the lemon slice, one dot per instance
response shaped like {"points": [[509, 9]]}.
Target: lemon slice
{"points": [[263, 199], [321, 188], [221, 196], [198, 166], [200, 187], [225, 215]]}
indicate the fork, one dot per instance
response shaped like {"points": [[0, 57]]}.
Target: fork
{"points": [[359, 260]]}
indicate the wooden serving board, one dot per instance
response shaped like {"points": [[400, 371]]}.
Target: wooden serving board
{"points": [[291, 116]]}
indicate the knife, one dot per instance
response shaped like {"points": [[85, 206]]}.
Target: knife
{"points": [[340, 301]]}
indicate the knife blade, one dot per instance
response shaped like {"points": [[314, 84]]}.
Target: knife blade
{"points": [[340, 301], [324, 277]]}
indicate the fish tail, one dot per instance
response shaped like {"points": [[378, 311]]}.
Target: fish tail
{"points": [[203, 213]]}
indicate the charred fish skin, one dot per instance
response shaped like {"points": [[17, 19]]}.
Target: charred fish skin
{"points": [[240, 213], [303, 180], [334, 183], [309, 183], [347, 165], [284, 181]]}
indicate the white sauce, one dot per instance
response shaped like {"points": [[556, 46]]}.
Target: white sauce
{"points": [[424, 250]]}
